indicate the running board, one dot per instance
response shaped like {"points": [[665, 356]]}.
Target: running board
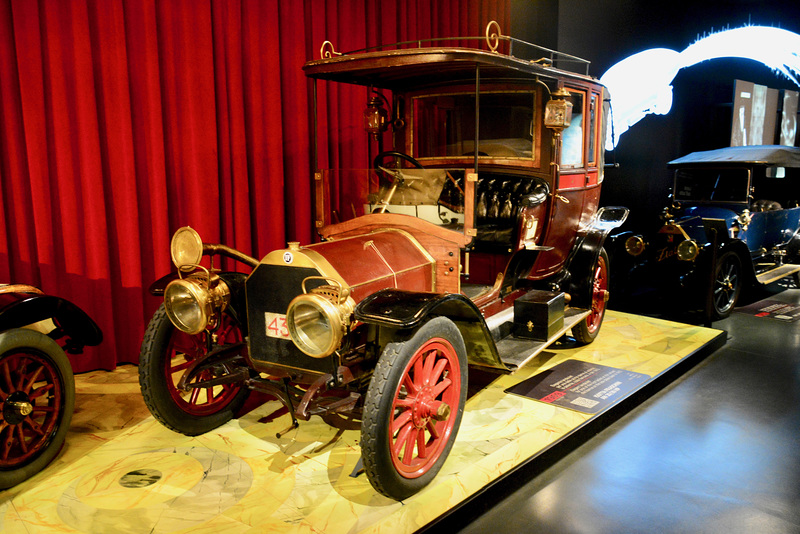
{"points": [[777, 273], [515, 352]]}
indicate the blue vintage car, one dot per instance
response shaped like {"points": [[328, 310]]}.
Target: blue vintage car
{"points": [[732, 223]]}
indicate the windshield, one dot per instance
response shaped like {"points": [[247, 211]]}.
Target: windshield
{"points": [[724, 185], [444, 125]]}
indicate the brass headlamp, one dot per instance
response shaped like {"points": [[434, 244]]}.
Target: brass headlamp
{"points": [[192, 302], [319, 319]]}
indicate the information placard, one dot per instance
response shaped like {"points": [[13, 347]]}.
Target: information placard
{"points": [[581, 386]]}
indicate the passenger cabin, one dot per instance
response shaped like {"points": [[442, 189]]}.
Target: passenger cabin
{"points": [[498, 159]]}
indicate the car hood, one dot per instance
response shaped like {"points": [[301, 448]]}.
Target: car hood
{"points": [[692, 220]]}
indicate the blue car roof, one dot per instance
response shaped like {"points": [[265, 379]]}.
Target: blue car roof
{"points": [[769, 155]]}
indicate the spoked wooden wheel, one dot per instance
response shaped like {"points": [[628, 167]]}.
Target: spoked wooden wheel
{"points": [[166, 354], [37, 395], [413, 409], [586, 330]]}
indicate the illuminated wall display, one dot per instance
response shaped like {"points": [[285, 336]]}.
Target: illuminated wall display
{"points": [[754, 111], [641, 84], [789, 118]]}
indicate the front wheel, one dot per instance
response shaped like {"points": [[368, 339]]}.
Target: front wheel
{"points": [[166, 354], [586, 330], [413, 409], [727, 285], [37, 397]]}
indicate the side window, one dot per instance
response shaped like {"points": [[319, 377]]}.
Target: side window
{"points": [[572, 150], [593, 120]]}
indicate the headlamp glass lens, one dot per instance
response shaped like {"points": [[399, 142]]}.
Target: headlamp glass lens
{"points": [[311, 328], [184, 308]]}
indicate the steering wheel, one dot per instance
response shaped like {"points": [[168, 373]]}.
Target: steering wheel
{"points": [[376, 163]]}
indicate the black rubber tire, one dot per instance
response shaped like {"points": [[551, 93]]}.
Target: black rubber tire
{"points": [[587, 329], [22, 341], [727, 285], [156, 391], [379, 412]]}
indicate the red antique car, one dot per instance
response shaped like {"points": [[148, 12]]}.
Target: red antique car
{"points": [[476, 241], [37, 389]]}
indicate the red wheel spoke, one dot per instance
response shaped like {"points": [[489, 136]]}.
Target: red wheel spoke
{"points": [[433, 429], [441, 387], [33, 426], [422, 451], [195, 394], [7, 376], [430, 362], [179, 366], [419, 373], [34, 377], [411, 439], [38, 392], [7, 442], [411, 387], [441, 365], [402, 437], [22, 366], [407, 402], [22, 443], [400, 421]]}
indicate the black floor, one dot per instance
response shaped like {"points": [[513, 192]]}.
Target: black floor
{"points": [[718, 450]]}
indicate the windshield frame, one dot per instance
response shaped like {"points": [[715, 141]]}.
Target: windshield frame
{"points": [[536, 127], [743, 199]]}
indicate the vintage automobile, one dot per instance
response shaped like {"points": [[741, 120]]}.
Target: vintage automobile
{"points": [[37, 388], [732, 223], [477, 242]]}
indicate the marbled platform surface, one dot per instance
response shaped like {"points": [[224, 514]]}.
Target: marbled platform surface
{"points": [[122, 472]]}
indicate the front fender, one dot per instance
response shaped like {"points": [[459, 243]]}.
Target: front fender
{"points": [[18, 310], [401, 310]]}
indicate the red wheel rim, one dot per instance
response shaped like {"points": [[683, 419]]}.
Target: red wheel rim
{"points": [[425, 408], [184, 349], [599, 293], [33, 402]]}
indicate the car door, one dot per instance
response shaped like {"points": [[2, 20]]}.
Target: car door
{"points": [[577, 193]]}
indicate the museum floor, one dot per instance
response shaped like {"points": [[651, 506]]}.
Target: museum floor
{"points": [[718, 451], [715, 450]]}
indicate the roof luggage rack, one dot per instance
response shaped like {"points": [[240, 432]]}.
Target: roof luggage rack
{"points": [[493, 39]]}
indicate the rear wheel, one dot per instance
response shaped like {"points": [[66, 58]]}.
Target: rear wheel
{"points": [[586, 330], [166, 354], [413, 409], [37, 397]]}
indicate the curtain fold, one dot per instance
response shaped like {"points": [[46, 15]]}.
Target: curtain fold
{"points": [[123, 120]]}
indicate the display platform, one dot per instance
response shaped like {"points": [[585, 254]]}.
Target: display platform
{"points": [[122, 472]]}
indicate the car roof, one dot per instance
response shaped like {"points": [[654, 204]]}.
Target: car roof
{"points": [[768, 155], [404, 66]]}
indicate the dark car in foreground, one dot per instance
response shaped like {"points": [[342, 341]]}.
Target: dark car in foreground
{"points": [[477, 243], [733, 222], [37, 388]]}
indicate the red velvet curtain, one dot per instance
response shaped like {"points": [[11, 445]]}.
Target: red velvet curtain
{"points": [[123, 120]]}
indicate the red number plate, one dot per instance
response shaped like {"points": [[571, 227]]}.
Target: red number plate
{"points": [[276, 325]]}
